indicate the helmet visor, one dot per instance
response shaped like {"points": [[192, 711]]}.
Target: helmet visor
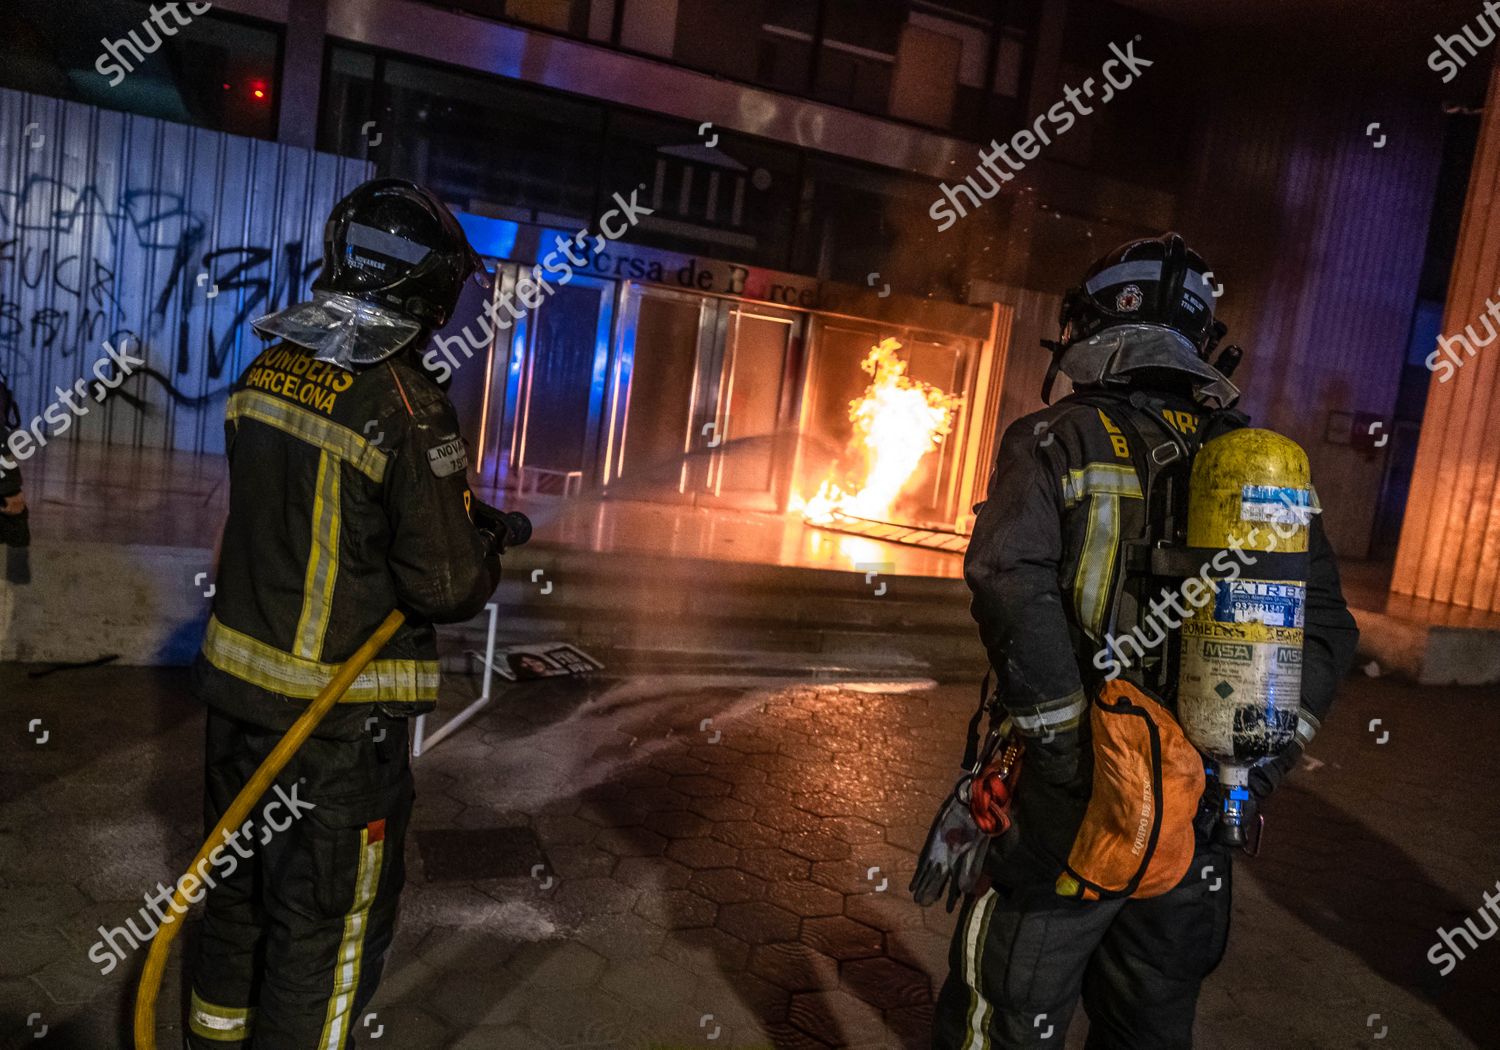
{"points": [[1112, 355], [341, 330]]}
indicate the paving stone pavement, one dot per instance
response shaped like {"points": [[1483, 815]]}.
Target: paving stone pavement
{"points": [[723, 863]]}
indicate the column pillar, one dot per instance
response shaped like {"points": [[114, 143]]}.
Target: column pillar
{"points": [[1450, 537], [302, 72]]}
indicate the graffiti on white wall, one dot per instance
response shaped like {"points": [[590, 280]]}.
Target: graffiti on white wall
{"points": [[121, 228]]}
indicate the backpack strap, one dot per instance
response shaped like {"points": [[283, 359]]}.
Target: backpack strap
{"points": [[1172, 452], [1150, 462], [989, 703]]}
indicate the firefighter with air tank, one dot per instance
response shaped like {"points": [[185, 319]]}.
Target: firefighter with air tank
{"points": [[1129, 745]]}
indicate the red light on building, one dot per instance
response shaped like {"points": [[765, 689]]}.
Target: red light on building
{"points": [[258, 89]]}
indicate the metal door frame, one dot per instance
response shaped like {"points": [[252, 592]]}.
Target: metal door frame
{"points": [[713, 389], [520, 371], [623, 373], [498, 403]]}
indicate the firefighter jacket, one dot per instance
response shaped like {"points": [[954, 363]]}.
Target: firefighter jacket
{"points": [[14, 528], [348, 497], [10, 421], [1048, 552]]}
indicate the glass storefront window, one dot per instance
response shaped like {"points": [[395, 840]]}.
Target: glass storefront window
{"points": [[206, 70], [511, 152], [496, 148], [521, 154]]}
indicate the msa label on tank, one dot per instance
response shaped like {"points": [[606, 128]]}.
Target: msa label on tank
{"points": [[1238, 699], [1271, 503], [1259, 601], [448, 458], [1238, 652]]}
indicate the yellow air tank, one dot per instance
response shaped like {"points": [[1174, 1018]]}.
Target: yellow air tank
{"points": [[1240, 677]]}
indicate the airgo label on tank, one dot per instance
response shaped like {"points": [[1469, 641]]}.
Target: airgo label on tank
{"points": [[1259, 601], [1272, 503]]}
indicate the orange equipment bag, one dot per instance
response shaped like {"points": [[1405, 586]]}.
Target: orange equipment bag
{"points": [[1137, 836]]}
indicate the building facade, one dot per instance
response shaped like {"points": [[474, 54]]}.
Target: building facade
{"points": [[811, 182]]}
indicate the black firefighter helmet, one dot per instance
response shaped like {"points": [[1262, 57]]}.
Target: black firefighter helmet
{"points": [[394, 264], [1145, 307], [392, 243]]}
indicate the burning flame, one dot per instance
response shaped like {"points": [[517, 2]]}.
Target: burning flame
{"points": [[897, 421]]}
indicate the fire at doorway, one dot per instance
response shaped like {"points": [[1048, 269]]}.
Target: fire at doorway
{"points": [[884, 432]]}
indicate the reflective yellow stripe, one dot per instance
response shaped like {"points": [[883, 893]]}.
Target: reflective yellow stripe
{"points": [[1054, 716], [1107, 479], [264, 665], [976, 931], [322, 562], [219, 1024], [1103, 485], [1096, 563], [351, 954], [325, 434]]}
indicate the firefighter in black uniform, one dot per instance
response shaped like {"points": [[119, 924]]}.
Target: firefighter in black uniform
{"points": [[1050, 580], [348, 498], [14, 528]]}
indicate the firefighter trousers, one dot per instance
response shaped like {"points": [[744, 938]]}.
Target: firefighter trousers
{"points": [[302, 904], [1021, 959]]}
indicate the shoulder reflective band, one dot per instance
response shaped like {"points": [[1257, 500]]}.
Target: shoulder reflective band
{"points": [[322, 433], [1109, 479], [393, 681]]}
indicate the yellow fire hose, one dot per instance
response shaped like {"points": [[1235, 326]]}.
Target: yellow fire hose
{"points": [[239, 810]]}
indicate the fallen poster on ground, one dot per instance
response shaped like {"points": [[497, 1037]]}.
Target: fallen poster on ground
{"points": [[520, 663]]}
